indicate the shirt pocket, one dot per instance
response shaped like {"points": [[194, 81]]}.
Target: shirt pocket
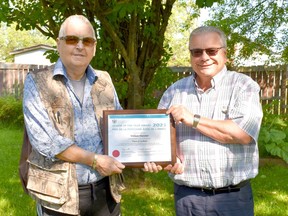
{"points": [[221, 111], [61, 117]]}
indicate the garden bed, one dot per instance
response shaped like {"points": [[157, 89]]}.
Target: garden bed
{"points": [[272, 161]]}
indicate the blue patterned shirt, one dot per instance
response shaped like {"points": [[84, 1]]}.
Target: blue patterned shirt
{"points": [[46, 139], [208, 163]]}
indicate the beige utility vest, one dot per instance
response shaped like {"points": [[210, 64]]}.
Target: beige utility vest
{"points": [[53, 184]]}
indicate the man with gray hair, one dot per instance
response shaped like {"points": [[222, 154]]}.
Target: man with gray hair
{"points": [[218, 116], [63, 104]]}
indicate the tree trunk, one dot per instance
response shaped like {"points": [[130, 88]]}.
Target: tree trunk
{"points": [[135, 92]]}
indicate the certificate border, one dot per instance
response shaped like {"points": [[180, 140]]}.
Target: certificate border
{"points": [[106, 113]]}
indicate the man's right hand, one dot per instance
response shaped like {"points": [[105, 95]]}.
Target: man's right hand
{"points": [[177, 168], [107, 165], [151, 167]]}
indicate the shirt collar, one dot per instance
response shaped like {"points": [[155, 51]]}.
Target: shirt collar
{"points": [[60, 69], [217, 79]]}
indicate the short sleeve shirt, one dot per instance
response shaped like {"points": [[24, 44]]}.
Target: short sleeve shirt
{"points": [[207, 162]]}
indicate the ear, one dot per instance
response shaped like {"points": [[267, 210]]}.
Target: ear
{"points": [[58, 43], [94, 52], [225, 53]]}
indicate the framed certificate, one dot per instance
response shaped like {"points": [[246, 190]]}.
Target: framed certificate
{"points": [[134, 137]]}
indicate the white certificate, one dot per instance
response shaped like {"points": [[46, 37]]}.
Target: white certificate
{"points": [[134, 137]]}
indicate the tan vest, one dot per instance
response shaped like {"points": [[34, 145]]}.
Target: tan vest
{"points": [[54, 184]]}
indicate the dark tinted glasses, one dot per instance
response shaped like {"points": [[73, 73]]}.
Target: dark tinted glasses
{"points": [[74, 40], [209, 51]]}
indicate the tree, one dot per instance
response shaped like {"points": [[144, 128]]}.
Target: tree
{"points": [[10, 40], [130, 35], [137, 31], [258, 26], [183, 19]]}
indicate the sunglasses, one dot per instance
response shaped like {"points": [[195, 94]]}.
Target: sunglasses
{"points": [[74, 40], [209, 51]]}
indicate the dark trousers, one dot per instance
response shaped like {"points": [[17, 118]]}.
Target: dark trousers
{"points": [[94, 200], [194, 202]]}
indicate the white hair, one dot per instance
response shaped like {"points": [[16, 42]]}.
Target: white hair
{"points": [[71, 18], [208, 29]]}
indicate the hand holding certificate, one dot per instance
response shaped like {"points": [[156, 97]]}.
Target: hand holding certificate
{"points": [[134, 137]]}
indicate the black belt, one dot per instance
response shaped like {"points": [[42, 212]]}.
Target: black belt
{"points": [[99, 183], [91, 188], [228, 189]]}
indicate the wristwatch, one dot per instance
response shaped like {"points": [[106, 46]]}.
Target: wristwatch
{"points": [[196, 120]]}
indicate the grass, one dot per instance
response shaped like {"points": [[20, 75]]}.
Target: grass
{"points": [[13, 201], [151, 195], [270, 190]]}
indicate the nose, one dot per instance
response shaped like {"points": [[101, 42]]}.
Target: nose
{"points": [[80, 44], [204, 56]]}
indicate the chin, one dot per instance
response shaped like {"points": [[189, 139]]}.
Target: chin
{"points": [[207, 71]]}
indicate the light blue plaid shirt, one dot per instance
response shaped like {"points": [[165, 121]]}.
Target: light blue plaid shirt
{"points": [[45, 138], [207, 162]]}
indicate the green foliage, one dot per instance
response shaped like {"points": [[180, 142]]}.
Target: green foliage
{"points": [[182, 21], [285, 54], [132, 63], [121, 87], [162, 79], [253, 28], [273, 139], [11, 114], [206, 3], [52, 55], [10, 40], [130, 35]]}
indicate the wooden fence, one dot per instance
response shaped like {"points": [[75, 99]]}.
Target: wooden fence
{"points": [[12, 77], [273, 81]]}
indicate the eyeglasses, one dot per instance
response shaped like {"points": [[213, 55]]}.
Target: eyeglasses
{"points": [[209, 51], [74, 40]]}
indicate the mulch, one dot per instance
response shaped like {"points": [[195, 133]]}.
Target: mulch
{"points": [[272, 161]]}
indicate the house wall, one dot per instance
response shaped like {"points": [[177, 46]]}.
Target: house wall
{"points": [[34, 57]]}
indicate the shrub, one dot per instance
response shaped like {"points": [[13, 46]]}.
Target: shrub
{"points": [[273, 139], [162, 79], [11, 114]]}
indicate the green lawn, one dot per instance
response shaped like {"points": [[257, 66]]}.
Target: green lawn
{"points": [[13, 201], [150, 197]]}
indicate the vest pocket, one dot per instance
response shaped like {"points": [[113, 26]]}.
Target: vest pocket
{"points": [[49, 185]]}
